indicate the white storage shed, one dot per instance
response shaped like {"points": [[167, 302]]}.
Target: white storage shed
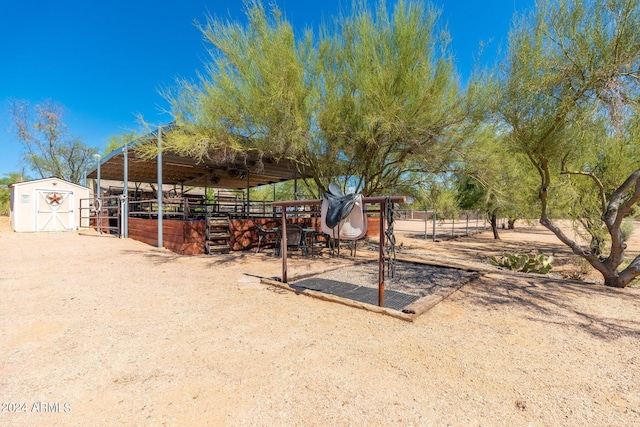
{"points": [[48, 204]]}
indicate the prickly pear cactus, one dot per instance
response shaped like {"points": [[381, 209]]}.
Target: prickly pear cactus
{"points": [[524, 263]]}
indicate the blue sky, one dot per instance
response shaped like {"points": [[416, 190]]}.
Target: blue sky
{"points": [[105, 60]]}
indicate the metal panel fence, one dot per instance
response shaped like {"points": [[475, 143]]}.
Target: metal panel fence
{"points": [[429, 225], [104, 214]]}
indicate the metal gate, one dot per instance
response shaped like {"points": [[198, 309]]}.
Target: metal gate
{"points": [[54, 210], [103, 214]]}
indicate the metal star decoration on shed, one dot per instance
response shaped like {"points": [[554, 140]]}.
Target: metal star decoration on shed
{"points": [[54, 198]]}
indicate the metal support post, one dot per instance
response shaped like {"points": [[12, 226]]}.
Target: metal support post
{"points": [[160, 242], [381, 257], [283, 244], [125, 192], [434, 226], [426, 213], [98, 195]]}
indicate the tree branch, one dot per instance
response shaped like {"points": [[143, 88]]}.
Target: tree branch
{"points": [[631, 272], [614, 209], [616, 213], [603, 198], [575, 247]]}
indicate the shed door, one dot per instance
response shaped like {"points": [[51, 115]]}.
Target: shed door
{"points": [[54, 210]]}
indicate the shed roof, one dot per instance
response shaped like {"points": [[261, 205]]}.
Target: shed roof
{"points": [[249, 170], [42, 180]]}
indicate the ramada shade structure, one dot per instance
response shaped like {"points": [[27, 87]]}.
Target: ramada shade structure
{"points": [[246, 170]]}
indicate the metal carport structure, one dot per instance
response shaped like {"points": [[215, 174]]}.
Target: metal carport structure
{"points": [[243, 171]]}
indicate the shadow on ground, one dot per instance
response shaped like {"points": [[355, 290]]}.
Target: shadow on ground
{"points": [[562, 302]]}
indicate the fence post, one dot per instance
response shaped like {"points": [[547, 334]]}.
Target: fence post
{"points": [[425, 224], [185, 208], [434, 225]]}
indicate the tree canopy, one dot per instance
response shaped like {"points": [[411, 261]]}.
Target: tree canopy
{"points": [[568, 98], [49, 149], [119, 140], [370, 98]]}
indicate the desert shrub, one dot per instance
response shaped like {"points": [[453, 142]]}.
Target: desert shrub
{"points": [[4, 200]]}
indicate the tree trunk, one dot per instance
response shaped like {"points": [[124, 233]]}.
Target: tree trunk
{"points": [[511, 225], [494, 226], [596, 245], [607, 267], [613, 281]]}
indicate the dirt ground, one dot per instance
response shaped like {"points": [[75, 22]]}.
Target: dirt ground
{"points": [[105, 331]]}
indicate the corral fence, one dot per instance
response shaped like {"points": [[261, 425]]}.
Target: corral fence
{"points": [[193, 208], [104, 214], [108, 215], [431, 225]]}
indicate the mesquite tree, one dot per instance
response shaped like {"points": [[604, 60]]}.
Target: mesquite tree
{"points": [[568, 97], [370, 98], [390, 102], [49, 149]]}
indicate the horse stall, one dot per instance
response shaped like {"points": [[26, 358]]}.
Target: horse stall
{"points": [[192, 227], [45, 205], [169, 218]]}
